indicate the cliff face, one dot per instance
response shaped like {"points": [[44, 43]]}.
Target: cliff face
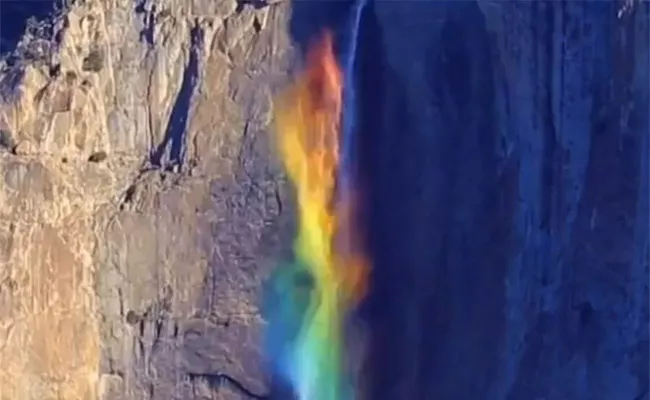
{"points": [[507, 159], [504, 147], [139, 203]]}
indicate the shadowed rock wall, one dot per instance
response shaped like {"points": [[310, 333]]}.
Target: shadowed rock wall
{"points": [[505, 146]]}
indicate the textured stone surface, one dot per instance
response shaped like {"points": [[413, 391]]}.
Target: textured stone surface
{"points": [[509, 184], [139, 203], [504, 147]]}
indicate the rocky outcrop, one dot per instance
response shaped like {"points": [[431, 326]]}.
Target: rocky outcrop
{"points": [[503, 147], [139, 202]]}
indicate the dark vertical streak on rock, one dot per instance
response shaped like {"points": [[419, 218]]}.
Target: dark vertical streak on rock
{"points": [[448, 81], [545, 62], [468, 291], [177, 124], [436, 278], [148, 19], [376, 174]]}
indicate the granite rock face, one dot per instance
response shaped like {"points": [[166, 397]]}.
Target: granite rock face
{"points": [[140, 206], [504, 151], [508, 186]]}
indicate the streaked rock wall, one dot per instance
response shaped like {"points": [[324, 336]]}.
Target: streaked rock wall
{"points": [[507, 161]]}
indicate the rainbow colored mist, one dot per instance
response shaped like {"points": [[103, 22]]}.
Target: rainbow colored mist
{"points": [[309, 298]]}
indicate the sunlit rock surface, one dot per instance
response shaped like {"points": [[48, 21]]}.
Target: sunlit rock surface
{"points": [[139, 206], [504, 147]]}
